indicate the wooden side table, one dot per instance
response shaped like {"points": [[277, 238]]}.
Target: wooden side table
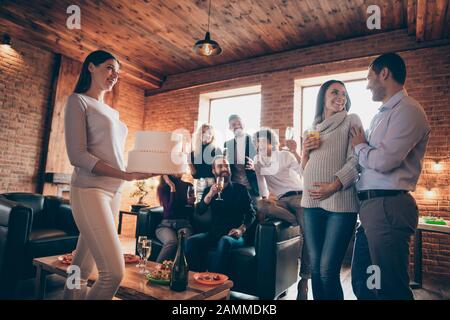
{"points": [[121, 213], [423, 227]]}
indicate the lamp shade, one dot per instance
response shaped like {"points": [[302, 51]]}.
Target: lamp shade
{"points": [[6, 39], [207, 47]]}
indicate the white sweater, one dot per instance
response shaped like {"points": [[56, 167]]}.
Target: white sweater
{"points": [[334, 158], [93, 131], [281, 174]]}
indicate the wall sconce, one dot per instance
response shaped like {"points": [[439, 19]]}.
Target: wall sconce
{"points": [[6, 39], [430, 193], [437, 166]]}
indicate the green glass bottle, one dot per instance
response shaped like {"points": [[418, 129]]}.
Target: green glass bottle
{"points": [[180, 270]]}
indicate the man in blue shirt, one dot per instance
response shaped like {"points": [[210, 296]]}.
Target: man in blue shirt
{"points": [[390, 157]]}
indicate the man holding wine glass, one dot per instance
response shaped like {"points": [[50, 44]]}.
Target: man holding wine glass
{"points": [[232, 213]]}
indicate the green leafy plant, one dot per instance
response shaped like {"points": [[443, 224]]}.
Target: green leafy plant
{"points": [[140, 191]]}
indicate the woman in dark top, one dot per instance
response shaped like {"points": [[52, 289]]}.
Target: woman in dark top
{"points": [[204, 151], [173, 196]]}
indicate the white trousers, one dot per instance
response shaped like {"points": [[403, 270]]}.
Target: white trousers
{"points": [[98, 245]]}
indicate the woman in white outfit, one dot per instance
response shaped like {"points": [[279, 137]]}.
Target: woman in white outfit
{"points": [[95, 139]]}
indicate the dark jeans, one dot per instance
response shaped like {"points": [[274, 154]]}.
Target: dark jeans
{"points": [[327, 236], [199, 245], [382, 241]]}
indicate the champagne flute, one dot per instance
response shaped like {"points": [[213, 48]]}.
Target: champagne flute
{"points": [[139, 250], [189, 195], [146, 251], [220, 182], [288, 135]]}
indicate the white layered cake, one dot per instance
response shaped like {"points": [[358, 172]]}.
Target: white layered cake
{"points": [[158, 152]]}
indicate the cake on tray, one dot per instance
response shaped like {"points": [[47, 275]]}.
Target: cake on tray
{"points": [[158, 152]]}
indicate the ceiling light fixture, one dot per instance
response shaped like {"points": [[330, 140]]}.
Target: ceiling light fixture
{"points": [[6, 39], [207, 47]]}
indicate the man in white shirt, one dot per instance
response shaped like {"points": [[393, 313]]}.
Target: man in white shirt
{"points": [[279, 173]]}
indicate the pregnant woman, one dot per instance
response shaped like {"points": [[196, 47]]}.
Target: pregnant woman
{"points": [[95, 139], [329, 197]]}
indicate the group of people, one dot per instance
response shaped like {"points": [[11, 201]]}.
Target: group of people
{"points": [[341, 174]]}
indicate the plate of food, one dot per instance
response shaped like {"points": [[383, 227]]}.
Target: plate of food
{"points": [[161, 274], [67, 258], [130, 258], [210, 278]]}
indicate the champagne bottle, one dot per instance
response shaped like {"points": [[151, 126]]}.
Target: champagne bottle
{"points": [[180, 270]]}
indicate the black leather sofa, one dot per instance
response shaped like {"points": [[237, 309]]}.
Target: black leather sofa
{"points": [[265, 267], [31, 226]]}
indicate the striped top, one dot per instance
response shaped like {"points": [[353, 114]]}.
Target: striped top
{"points": [[334, 158]]}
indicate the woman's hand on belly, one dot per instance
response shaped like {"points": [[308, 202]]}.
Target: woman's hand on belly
{"points": [[324, 190]]}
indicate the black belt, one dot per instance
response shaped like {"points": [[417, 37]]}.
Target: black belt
{"points": [[369, 194], [290, 193]]}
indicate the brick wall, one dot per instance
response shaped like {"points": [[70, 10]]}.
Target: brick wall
{"points": [[25, 92], [428, 81], [25, 97], [130, 104]]}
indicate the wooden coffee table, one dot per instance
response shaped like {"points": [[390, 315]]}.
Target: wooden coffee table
{"points": [[134, 285]]}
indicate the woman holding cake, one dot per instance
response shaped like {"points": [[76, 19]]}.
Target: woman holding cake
{"points": [[95, 139], [204, 151], [178, 208]]}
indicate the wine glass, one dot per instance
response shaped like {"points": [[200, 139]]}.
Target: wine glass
{"points": [[190, 195], [289, 135], [146, 251], [220, 182], [139, 250]]}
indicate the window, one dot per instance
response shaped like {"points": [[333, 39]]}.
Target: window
{"points": [[360, 97], [245, 102]]}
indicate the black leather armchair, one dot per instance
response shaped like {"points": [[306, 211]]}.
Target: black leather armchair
{"points": [[265, 267], [31, 226]]}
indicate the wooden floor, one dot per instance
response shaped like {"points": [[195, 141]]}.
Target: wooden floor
{"points": [[434, 289]]}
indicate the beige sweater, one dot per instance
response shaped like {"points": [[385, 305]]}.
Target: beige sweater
{"points": [[334, 158]]}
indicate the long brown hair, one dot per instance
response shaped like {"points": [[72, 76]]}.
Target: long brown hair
{"points": [[320, 102], [85, 78]]}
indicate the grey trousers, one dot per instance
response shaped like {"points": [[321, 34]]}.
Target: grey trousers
{"points": [[167, 232], [289, 209], [382, 241]]}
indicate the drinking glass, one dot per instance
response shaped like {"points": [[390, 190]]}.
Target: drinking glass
{"points": [[139, 250], [289, 135], [146, 251], [190, 194], [313, 131], [220, 181]]}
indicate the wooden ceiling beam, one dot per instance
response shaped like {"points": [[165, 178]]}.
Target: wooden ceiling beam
{"points": [[412, 14], [420, 19], [40, 35], [440, 13]]}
